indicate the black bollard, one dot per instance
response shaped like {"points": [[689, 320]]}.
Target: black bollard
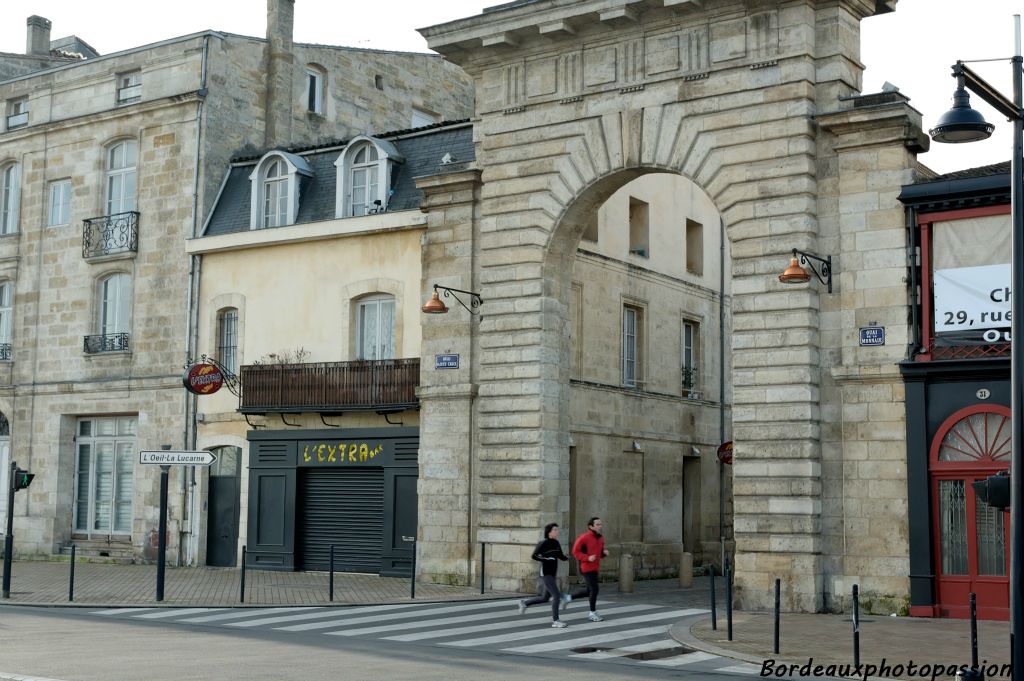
{"points": [[728, 599], [714, 614], [778, 585], [241, 593], [483, 550], [412, 577], [856, 625], [974, 633], [330, 582], [71, 576]]}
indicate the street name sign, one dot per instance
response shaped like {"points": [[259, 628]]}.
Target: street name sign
{"points": [[166, 457]]}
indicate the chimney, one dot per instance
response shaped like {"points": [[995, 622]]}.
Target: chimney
{"points": [[38, 41], [278, 116]]}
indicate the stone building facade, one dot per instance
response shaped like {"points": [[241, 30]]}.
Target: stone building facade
{"points": [[111, 163], [758, 104]]}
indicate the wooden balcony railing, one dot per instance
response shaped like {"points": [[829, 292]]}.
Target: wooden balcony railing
{"points": [[330, 386]]}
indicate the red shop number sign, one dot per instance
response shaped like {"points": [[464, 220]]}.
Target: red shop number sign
{"points": [[203, 379]]}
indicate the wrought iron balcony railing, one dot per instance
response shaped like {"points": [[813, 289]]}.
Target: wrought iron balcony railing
{"points": [[5, 352], [330, 386], [110, 234], [111, 342]]}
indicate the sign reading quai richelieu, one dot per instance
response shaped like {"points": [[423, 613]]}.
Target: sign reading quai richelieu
{"points": [[203, 378]]}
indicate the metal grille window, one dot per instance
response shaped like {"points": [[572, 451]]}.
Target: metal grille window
{"points": [[275, 195], [375, 321], [121, 173], [227, 338], [105, 475], [10, 178], [991, 539], [953, 526], [691, 336], [60, 203]]}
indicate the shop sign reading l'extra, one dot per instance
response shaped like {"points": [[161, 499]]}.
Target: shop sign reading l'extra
{"points": [[327, 453]]}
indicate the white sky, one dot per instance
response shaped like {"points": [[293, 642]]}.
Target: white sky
{"points": [[911, 48]]}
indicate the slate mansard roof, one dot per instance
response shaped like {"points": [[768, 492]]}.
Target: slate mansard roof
{"points": [[422, 150]]}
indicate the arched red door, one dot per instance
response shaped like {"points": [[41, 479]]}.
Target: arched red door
{"points": [[970, 536]]}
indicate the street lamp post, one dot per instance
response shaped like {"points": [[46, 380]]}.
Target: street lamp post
{"points": [[964, 124]]}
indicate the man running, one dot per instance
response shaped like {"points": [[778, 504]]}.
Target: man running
{"points": [[589, 549], [548, 552]]}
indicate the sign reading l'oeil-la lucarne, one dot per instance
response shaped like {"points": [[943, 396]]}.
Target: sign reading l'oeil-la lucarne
{"points": [[203, 378], [327, 453], [972, 305]]}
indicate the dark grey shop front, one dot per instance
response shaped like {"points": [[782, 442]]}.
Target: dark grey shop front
{"points": [[355, 489]]}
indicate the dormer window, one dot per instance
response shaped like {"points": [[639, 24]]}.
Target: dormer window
{"points": [[17, 113], [364, 177], [275, 189], [314, 89], [129, 87]]}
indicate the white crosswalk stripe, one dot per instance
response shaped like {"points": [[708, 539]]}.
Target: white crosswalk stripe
{"points": [[633, 634]]}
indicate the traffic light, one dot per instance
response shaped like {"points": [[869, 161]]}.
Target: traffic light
{"points": [[22, 479], [994, 490]]}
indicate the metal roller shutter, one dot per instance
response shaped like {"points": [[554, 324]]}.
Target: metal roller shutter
{"points": [[344, 507]]}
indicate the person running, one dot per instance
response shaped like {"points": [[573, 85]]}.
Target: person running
{"points": [[589, 549], [548, 552]]}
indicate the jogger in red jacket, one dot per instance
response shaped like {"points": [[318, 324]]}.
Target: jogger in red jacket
{"points": [[589, 549]]}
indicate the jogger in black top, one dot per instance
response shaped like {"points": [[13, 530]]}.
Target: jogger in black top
{"points": [[548, 552]]}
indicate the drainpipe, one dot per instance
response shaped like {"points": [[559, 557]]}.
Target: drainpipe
{"points": [[721, 384], [188, 482]]}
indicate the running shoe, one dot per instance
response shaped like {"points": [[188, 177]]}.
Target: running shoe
{"points": [[594, 617], [558, 624]]}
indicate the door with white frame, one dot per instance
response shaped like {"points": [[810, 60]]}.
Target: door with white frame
{"points": [[105, 476]]}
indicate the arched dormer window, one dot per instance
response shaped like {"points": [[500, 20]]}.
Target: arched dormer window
{"points": [[364, 176], [275, 189]]}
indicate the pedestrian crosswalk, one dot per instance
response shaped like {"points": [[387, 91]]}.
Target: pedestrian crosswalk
{"points": [[631, 633]]}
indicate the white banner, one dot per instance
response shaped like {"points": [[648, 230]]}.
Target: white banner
{"points": [[972, 298]]}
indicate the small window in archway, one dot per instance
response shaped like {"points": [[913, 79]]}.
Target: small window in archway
{"points": [[639, 227], [694, 247]]}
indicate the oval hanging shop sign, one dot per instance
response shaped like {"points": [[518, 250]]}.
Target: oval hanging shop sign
{"points": [[203, 379]]}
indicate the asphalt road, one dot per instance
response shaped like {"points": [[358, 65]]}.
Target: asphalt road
{"points": [[74, 645]]}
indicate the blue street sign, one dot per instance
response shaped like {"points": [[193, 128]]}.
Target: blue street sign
{"points": [[446, 361], [872, 335]]}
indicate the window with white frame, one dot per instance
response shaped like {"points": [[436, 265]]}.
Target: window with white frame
{"points": [[121, 176], [129, 87], [6, 313], [314, 89], [275, 189], [690, 342], [10, 197], [375, 327], [227, 338], [364, 172], [105, 475], [60, 203], [17, 113], [114, 304], [5, 466], [632, 329], [275, 195]]}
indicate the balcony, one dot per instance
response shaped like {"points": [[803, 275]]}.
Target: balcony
{"points": [[366, 385], [111, 342], [18, 120], [110, 235]]}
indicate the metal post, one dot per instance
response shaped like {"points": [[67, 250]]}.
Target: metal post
{"points": [[714, 614], [974, 632], [161, 551], [241, 593], [330, 582], [71, 576], [9, 537], [728, 599], [856, 625], [483, 564], [775, 643], [412, 578]]}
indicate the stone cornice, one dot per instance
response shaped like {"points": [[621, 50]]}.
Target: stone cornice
{"points": [[874, 125]]}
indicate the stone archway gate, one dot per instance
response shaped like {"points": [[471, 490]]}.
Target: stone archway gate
{"points": [[753, 101]]}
